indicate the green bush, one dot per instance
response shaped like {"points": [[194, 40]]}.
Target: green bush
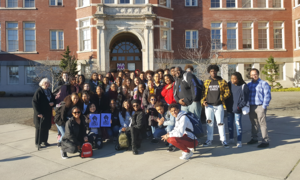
{"points": [[2, 93], [286, 90]]}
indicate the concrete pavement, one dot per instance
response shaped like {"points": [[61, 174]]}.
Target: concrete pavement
{"points": [[19, 159]]}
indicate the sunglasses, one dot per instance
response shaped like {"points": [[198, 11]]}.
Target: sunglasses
{"points": [[152, 99], [135, 106], [76, 112]]}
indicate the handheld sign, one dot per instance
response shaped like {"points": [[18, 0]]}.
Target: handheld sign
{"points": [[105, 120], [95, 120]]}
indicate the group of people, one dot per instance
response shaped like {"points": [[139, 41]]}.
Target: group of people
{"points": [[151, 104]]}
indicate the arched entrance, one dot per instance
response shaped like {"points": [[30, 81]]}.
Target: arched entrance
{"points": [[125, 52]]}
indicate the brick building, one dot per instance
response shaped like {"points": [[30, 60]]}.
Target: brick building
{"points": [[131, 33]]}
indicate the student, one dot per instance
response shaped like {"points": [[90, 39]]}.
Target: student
{"points": [[99, 99], [215, 93], [152, 115], [167, 92], [149, 75], [134, 86], [238, 99], [94, 82], [142, 77], [86, 101], [139, 94], [150, 89], [172, 71], [118, 83], [94, 134], [113, 131], [158, 84], [179, 136], [86, 87], [64, 79], [166, 71], [125, 114], [137, 123]]}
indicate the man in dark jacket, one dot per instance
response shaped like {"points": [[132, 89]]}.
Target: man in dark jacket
{"points": [[187, 92], [136, 125]]}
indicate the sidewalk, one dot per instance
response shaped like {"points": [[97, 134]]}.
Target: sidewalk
{"points": [[19, 159]]}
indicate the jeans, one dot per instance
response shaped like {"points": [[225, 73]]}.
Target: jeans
{"points": [[194, 108], [212, 112], [159, 132], [113, 131], [237, 119], [153, 129], [61, 130]]}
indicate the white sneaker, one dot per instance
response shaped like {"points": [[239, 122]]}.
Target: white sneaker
{"points": [[63, 155], [231, 141], [192, 149], [207, 143], [182, 155], [186, 156], [239, 144]]}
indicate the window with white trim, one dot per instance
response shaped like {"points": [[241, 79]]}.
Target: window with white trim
{"points": [[298, 34], [140, 2], [262, 3], [215, 4], [277, 3], [124, 1], [12, 37], [216, 40], [246, 3], [29, 3], [30, 75], [247, 35], [263, 28], [230, 3], [109, 1], [191, 39], [30, 40], [297, 3], [278, 35], [83, 3], [231, 35], [56, 2], [165, 34], [85, 35], [57, 39], [12, 3], [13, 75], [165, 3], [191, 2]]}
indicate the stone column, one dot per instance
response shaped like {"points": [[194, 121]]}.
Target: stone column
{"points": [[148, 57], [240, 68], [101, 48]]}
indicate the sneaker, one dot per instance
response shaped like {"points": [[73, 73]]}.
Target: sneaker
{"points": [[239, 144], [59, 144], [154, 140], [186, 156], [231, 141], [207, 143], [252, 141], [263, 145], [45, 144], [171, 149], [225, 145], [192, 149], [63, 155]]}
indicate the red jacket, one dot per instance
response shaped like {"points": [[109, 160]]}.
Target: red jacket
{"points": [[168, 95]]}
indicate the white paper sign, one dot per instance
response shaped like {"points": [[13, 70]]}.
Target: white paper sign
{"points": [[105, 119], [95, 120]]}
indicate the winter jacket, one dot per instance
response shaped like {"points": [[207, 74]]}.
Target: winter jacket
{"points": [[125, 122], [137, 120], [101, 103], [66, 110], [168, 94], [224, 90], [93, 86], [181, 123], [168, 120], [40, 104], [74, 134], [187, 87], [146, 94], [238, 99], [114, 117]]}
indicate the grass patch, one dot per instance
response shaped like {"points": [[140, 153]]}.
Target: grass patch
{"points": [[286, 90]]}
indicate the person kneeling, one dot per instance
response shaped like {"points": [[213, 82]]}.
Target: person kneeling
{"points": [[136, 125], [179, 136], [75, 133]]}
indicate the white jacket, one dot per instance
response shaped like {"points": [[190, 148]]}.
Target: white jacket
{"points": [[125, 122], [182, 122]]}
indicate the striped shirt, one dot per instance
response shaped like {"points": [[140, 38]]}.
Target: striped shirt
{"points": [[259, 93]]}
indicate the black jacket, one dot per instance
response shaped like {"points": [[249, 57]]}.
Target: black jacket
{"points": [[40, 105], [138, 120], [101, 103], [146, 95], [74, 134], [187, 87], [93, 86]]}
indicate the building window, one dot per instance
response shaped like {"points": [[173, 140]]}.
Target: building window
{"points": [[297, 3], [30, 75], [165, 3], [56, 2], [298, 33], [57, 39], [191, 2], [247, 35], [12, 37], [124, 2], [230, 3], [139, 1], [85, 35], [246, 3], [262, 3], [83, 3], [215, 3], [247, 69], [191, 39], [13, 75], [29, 31], [263, 35], [277, 3], [165, 34], [231, 35], [231, 69], [216, 29], [12, 3], [278, 35], [109, 1], [29, 3]]}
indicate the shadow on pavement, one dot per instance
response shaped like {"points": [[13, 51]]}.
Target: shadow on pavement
{"points": [[15, 159]]}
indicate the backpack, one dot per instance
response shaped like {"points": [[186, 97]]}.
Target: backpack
{"points": [[86, 150], [197, 125], [123, 142], [57, 118]]}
